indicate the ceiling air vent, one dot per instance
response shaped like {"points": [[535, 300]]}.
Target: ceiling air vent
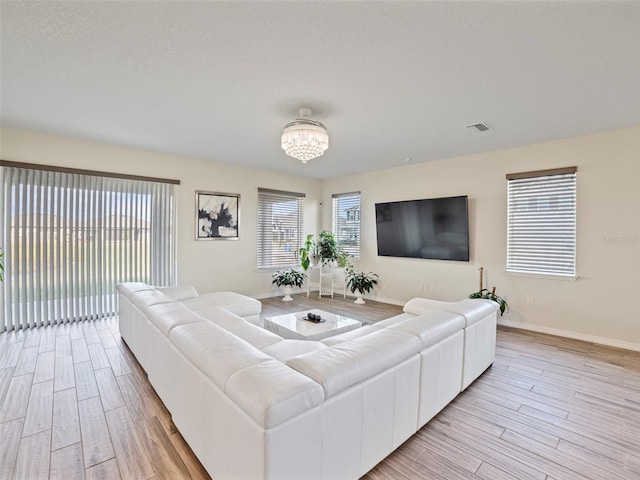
{"points": [[480, 127]]}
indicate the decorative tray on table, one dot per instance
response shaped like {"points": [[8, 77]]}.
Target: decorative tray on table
{"points": [[314, 317]]}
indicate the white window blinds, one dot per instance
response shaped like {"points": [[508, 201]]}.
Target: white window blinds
{"points": [[70, 238], [346, 222], [280, 227], [542, 222]]}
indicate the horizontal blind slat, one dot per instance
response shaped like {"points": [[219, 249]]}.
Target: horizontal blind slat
{"points": [[541, 224], [280, 224], [345, 222]]}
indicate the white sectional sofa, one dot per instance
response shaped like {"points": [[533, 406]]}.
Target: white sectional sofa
{"points": [[253, 405]]}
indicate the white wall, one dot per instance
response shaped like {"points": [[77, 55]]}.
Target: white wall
{"points": [[208, 265], [600, 305]]}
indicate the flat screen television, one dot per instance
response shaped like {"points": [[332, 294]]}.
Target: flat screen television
{"points": [[433, 228]]}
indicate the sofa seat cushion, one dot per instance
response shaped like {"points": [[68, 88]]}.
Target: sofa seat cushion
{"points": [[217, 315], [340, 366], [217, 353], [252, 334], [431, 327], [393, 320], [256, 336], [350, 335], [286, 349], [241, 305], [165, 316], [271, 393], [361, 332], [472, 310]]}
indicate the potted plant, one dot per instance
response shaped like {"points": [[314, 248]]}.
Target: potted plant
{"points": [[327, 247], [361, 283], [344, 259], [288, 279], [307, 252], [1, 264], [491, 295]]}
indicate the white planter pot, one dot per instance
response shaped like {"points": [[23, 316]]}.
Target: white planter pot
{"points": [[359, 300], [287, 293]]}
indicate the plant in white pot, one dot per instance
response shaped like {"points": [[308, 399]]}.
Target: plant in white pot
{"points": [[327, 248], [361, 283], [288, 279]]}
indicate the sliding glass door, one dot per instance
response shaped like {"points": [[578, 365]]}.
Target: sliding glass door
{"points": [[70, 238]]}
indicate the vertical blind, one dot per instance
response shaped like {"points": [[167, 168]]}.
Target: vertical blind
{"points": [[345, 222], [541, 227], [70, 238], [280, 228]]}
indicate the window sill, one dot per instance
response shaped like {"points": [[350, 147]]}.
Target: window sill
{"points": [[542, 276]]}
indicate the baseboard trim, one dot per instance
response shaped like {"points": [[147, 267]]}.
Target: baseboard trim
{"points": [[610, 342], [390, 301]]}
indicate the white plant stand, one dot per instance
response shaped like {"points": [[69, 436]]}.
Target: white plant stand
{"points": [[323, 282]]}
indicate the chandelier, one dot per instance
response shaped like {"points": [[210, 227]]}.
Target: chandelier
{"points": [[304, 139]]}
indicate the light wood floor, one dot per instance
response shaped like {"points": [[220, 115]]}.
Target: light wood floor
{"points": [[76, 404]]}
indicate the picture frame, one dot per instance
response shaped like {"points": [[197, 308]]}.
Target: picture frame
{"points": [[217, 216]]}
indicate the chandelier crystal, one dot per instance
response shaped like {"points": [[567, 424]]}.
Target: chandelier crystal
{"points": [[304, 139]]}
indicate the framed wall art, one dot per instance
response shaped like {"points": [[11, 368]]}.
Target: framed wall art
{"points": [[217, 216]]}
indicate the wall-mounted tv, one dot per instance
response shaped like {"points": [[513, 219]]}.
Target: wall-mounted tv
{"points": [[434, 228]]}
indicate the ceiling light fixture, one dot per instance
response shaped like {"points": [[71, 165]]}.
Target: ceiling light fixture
{"points": [[304, 139]]}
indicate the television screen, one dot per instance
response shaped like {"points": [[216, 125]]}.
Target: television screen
{"points": [[434, 228]]}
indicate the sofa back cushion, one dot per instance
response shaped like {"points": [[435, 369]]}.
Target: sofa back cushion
{"points": [[129, 289], [472, 310], [236, 303], [180, 292], [165, 316], [256, 336], [147, 298], [431, 327]]}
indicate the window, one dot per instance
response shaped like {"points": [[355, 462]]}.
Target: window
{"points": [[69, 238], [280, 228], [346, 222], [541, 231]]}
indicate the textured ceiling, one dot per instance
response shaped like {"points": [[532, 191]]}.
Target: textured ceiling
{"points": [[390, 80]]}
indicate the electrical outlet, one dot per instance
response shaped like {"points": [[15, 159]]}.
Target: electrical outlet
{"points": [[421, 287], [432, 288], [530, 302]]}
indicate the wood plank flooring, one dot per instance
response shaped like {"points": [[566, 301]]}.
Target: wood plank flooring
{"points": [[74, 403]]}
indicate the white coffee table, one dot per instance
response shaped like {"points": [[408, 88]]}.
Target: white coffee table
{"points": [[292, 325]]}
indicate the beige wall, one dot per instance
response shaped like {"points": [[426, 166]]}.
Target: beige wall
{"points": [[208, 265], [600, 305]]}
